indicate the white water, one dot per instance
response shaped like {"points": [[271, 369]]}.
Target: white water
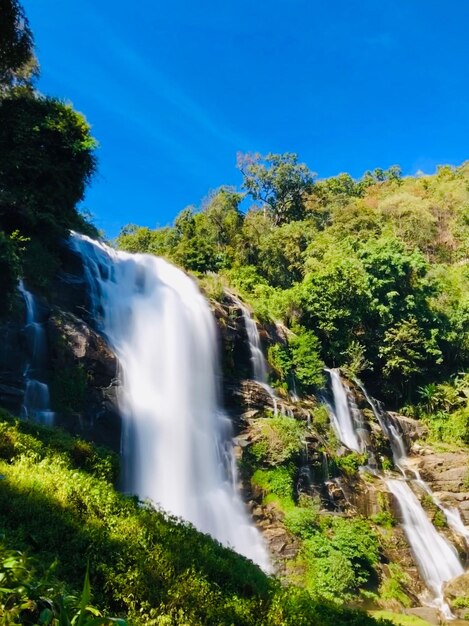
{"points": [[176, 439], [436, 558], [341, 416], [259, 365], [36, 402], [401, 461]]}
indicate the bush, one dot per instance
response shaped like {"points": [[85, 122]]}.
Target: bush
{"points": [[277, 440], [277, 481]]}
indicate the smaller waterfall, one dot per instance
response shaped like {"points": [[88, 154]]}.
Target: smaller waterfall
{"points": [[436, 558], [399, 452], [259, 366], [36, 403], [342, 418], [389, 428]]}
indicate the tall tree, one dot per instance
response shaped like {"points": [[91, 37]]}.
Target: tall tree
{"points": [[279, 182], [18, 64]]}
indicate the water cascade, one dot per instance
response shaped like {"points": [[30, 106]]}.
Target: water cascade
{"points": [[436, 558], [36, 402], [259, 366], [391, 430], [341, 416], [176, 442]]}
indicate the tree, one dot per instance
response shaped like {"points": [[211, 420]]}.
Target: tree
{"points": [[279, 182], [17, 61], [46, 160]]}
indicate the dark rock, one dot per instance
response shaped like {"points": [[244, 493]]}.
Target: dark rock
{"points": [[76, 348], [13, 358]]}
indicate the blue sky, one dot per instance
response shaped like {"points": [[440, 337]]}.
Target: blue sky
{"points": [[174, 90]]}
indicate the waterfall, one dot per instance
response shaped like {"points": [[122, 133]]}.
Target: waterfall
{"points": [[259, 366], [436, 558], [176, 444], [391, 431], [36, 402], [341, 415]]}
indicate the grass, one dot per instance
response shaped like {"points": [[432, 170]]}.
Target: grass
{"points": [[58, 505], [398, 619]]}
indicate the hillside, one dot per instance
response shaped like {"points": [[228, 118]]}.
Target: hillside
{"points": [[282, 372]]}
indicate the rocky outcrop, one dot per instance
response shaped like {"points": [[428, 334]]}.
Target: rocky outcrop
{"points": [[88, 405], [13, 358], [457, 595], [447, 473]]}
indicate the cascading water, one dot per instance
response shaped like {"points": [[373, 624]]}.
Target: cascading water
{"points": [[391, 431], [176, 439], [341, 416], [436, 558], [259, 366], [36, 402]]}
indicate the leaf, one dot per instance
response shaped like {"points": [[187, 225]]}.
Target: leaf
{"points": [[45, 617], [85, 597]]}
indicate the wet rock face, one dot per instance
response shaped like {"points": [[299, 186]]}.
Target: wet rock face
{"points": [[84, 380], [447, 474], [457, 595], [13, 358], [234, 346]]}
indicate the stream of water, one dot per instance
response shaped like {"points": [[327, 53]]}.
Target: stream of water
{"points": [[435, 557], [36, 401], [176, 443]]}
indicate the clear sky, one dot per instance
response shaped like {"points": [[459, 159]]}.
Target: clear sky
{"points": [[174, 89]]}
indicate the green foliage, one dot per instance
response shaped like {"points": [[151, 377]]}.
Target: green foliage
{"points": [[350, 463], [10, 268], [321, 419], [278, 181], [299, 360], [439, 519], [277, 481], [46, 161], [398, 619], [384, 519], [26, 598], [393, 586], [340, 559], [17, 61], [277, 440], [303, 520]]}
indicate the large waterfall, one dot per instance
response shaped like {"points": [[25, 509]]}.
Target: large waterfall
{"points": [[176, 440]]}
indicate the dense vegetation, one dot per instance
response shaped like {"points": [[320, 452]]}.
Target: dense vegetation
{"points": [[46, 161], [369, 275], [58, 506]]}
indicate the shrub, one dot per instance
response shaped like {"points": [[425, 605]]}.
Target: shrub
{"points": [[278, 440]]}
